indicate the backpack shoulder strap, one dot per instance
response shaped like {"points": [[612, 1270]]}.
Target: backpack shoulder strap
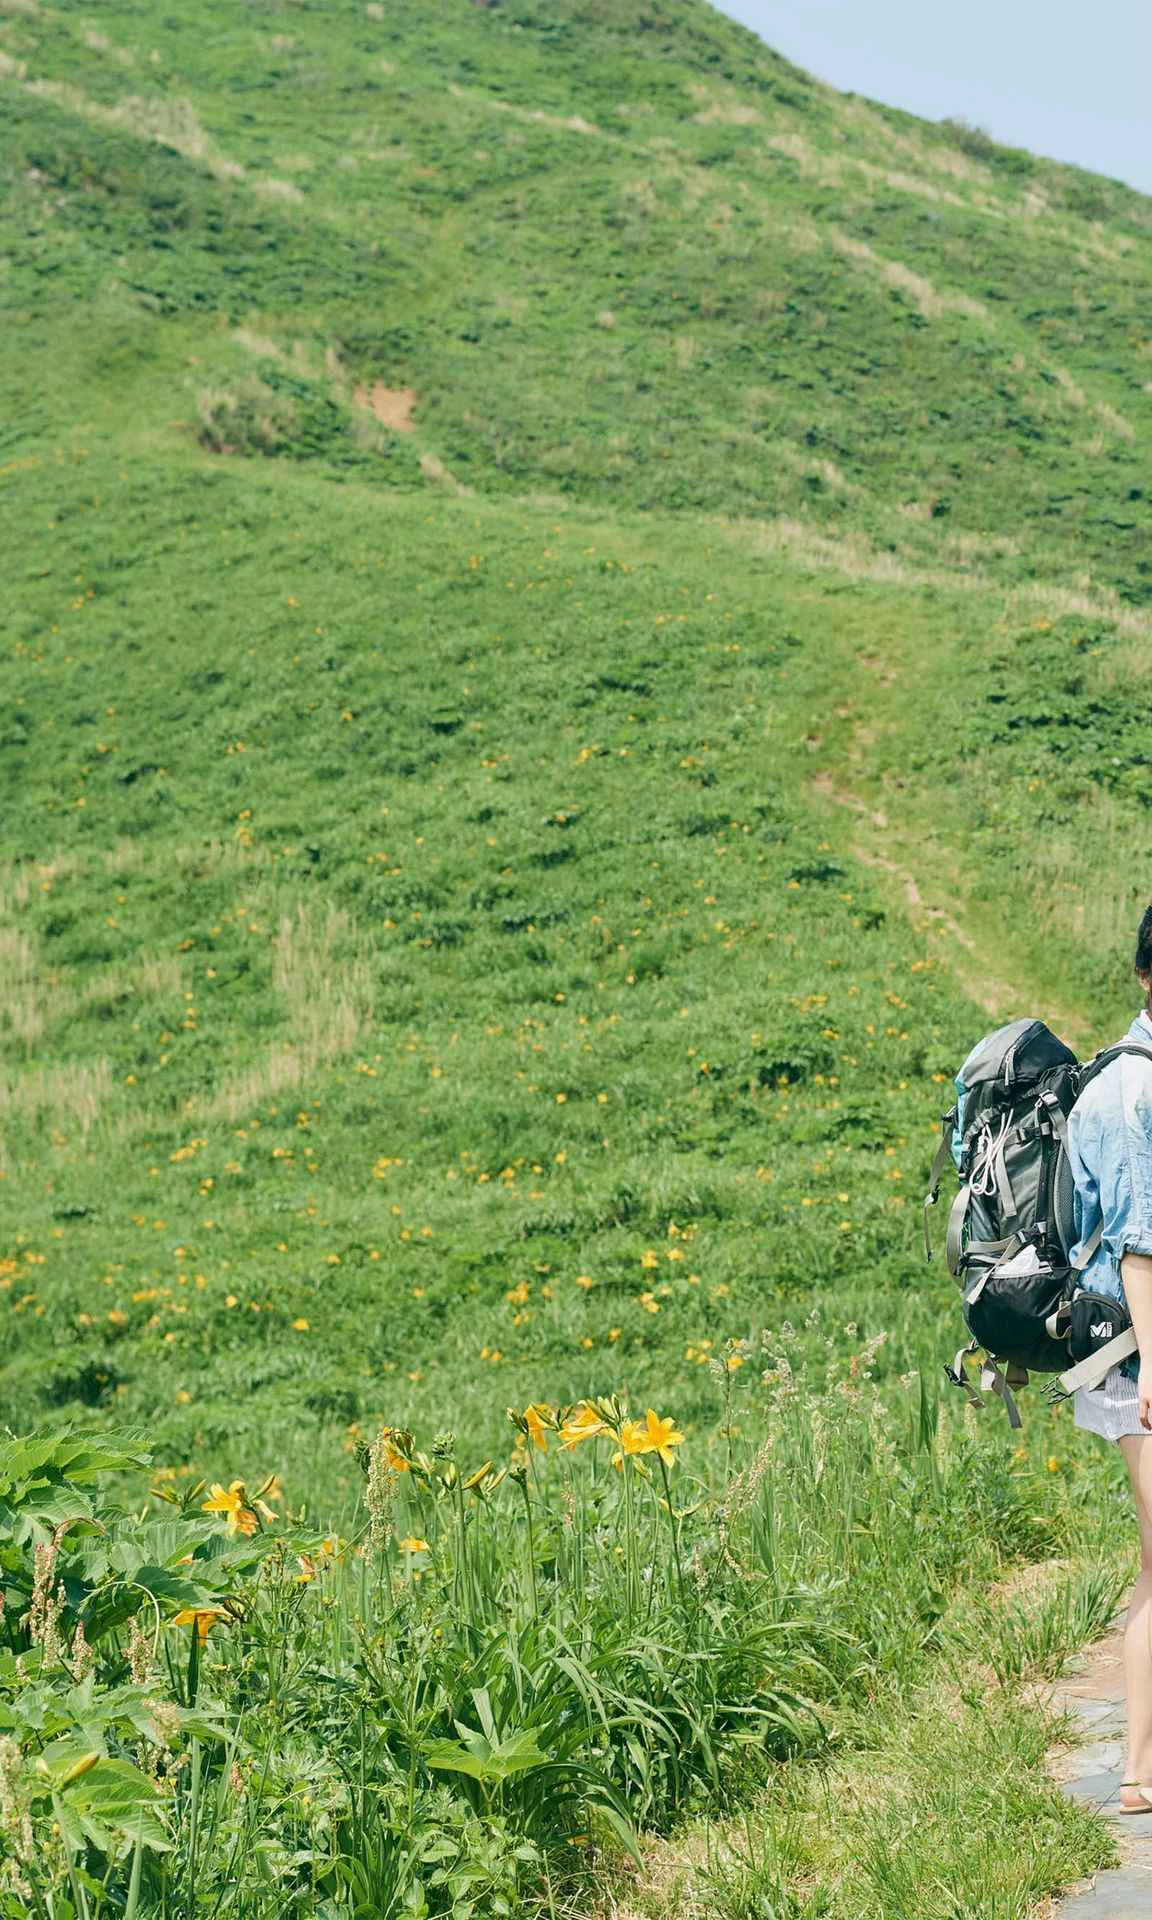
{"points": [[1089, 1248], [1105, 1058]]}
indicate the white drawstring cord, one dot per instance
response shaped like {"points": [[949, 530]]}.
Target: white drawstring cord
{"points": [[982, 1179]]}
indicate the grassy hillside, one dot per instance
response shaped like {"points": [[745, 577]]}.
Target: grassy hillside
{"points": [[575, 612], [618, 252]]}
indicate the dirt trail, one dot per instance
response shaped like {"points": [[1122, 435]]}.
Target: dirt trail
{"points": [[668, 1881], [1091, 1771], [977, 971]]}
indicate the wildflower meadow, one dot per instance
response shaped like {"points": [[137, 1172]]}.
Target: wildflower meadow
{"points": [[540, 634]]}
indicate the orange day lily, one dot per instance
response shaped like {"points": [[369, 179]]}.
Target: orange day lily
{"points": [[392, 1458], [203, 1618], [537, 1419], [233, 1504]]}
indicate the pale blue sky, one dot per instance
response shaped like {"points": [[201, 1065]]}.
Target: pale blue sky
{"points": [[1069, 80]]}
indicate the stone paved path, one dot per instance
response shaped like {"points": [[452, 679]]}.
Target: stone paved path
{"points": [[1093, 1771]]}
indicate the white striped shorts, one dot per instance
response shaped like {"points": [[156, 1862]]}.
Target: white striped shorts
{"points": [[1110, 1408]]}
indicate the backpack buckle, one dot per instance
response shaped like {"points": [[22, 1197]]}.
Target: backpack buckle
{"points": [[957, 1375]]}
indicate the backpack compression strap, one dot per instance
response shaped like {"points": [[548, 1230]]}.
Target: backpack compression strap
{"points": [[943, 1159], [992, 1380], [958, 1212]]}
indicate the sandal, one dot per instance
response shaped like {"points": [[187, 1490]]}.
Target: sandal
{"points": [[1145, 1792]]}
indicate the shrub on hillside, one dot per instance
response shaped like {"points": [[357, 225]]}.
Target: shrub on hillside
{"points": [[248, 418], [275, 412], [980, 145]]}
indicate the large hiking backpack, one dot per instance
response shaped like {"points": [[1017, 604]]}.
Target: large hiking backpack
{"points": [[1012, 1228]]}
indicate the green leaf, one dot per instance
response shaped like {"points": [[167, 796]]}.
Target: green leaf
{"points": [[479, 1760], [116, 1807], [65, 1760], [118, 1602]]}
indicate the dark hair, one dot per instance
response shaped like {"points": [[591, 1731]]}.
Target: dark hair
{"points": [[1144, 943]]}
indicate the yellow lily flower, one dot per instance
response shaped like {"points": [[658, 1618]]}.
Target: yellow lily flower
{"points": [[393, 1459], [633, 1440], [662, 1436], [232, 1502], [584, 1423]]}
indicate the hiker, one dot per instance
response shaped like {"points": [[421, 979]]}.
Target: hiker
{"points": [[1110, 1153], [1050, 1240]]}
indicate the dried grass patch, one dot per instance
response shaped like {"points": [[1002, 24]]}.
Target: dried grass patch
{"points": [[434, 469], [273, 189], [97, 42], [75, 1090], [561, 123], [722, 109], [815, 166], [323, 981], [167, 122], [853, 554], [932, 303], [22, 1008], [1098, 604], [1105, 413]]}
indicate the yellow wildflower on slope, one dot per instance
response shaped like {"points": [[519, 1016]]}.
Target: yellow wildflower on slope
{"points": [[233, 1504], [633, 1440]]}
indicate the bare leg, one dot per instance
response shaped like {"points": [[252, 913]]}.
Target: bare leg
{"points": [[1138, 1624]]}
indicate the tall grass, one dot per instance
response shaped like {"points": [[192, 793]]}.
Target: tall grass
{"points": [[498, 1677]]}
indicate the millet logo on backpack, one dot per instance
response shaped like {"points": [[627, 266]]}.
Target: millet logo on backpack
{"points": [[1102, 1330]]}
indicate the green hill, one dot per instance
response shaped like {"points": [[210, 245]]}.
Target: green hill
{"points": [[576, 607], [619, 253], [415, 415]]}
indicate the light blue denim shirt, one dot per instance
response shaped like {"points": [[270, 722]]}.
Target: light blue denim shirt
{"points": [[1110, 1152]]}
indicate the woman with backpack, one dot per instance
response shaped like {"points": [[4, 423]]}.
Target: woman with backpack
{"points": [[1050, 1239], [1110, 1153]]}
